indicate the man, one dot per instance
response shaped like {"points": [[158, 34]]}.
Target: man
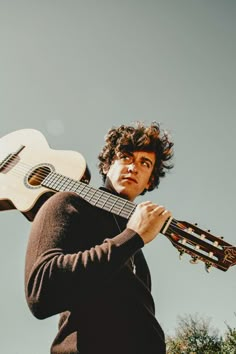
{"points": [[86, 264]]}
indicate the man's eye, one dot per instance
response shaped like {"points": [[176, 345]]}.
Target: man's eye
{"points": [[125, 157], [146, 164]]}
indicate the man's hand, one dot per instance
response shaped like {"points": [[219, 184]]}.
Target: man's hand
{"points": [[148, 220]]}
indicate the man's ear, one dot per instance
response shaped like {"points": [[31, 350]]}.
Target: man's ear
{"points": [[106, 167], [150, 182], [105, 170]]}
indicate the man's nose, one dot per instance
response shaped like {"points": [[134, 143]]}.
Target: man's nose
{"points": [[132, 168]]}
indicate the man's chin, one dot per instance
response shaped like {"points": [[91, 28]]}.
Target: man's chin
{"points": [[124, 193]]}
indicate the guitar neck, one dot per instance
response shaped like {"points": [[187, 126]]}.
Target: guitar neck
{"points": [[96, 197], [186, 237]]}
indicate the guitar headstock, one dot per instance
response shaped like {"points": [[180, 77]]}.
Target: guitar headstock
{"points": [[200, 245]]}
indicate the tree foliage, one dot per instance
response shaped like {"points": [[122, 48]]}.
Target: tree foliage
{"points": [[195, 335], [229, 343]]}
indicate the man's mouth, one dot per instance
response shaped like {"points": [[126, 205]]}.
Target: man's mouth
{"points": [[131, 179]]}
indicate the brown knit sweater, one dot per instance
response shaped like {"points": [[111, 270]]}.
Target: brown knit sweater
{"points": [[78, 265]]}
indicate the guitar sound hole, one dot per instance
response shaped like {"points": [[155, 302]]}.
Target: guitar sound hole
{"points": [[37, 176]]}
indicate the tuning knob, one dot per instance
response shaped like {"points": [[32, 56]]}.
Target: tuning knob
{"points": [[194, 260], [181, 252], [208, 266]]}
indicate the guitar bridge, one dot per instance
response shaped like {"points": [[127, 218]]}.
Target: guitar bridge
{"points": [[10, 157]]}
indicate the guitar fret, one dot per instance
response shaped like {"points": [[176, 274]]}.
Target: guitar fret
{"points": [[120, 208], [60, 183], [131, 211], [91, 195], [73, 186], [96, 197], [63, 184], [106, 201], [92, 199], [121, 211], [86, 196], [98, 203], [51, 180], [57, 185], [79, 188], [123, 208], [83, 191], [69, 185], [113, 204], [110, 204]]}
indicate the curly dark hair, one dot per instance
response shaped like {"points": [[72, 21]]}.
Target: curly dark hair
{"points": [[138, 138]]}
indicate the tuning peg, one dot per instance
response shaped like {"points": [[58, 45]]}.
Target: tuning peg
{"points": [[208, 266], [194, 260], [181, 252]]}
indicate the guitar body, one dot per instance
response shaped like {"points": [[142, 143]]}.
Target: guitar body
{"points": [[22, 173]]}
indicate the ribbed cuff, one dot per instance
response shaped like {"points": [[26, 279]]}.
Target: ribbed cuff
{"points": [[128, 236]]}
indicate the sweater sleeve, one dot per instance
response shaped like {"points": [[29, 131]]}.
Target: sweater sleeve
{"points": [[56, 279]]}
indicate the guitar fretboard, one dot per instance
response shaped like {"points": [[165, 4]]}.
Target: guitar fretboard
{"points": [[187, 238], [96, 197]]}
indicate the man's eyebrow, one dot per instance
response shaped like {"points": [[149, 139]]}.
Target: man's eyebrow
{"points": [[125, 153]]}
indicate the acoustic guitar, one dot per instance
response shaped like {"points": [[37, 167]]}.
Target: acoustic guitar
{"points": [[30, 172]]}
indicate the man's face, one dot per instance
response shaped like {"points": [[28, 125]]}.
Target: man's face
{"points": [[129, 173]]}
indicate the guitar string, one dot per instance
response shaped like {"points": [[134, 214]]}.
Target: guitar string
{"points": [[102, 200], [214, 256], [24, 168], [126, 208], [42, 173]]}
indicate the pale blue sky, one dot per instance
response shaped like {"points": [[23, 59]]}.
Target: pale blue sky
{"points": [[73, 69]]}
